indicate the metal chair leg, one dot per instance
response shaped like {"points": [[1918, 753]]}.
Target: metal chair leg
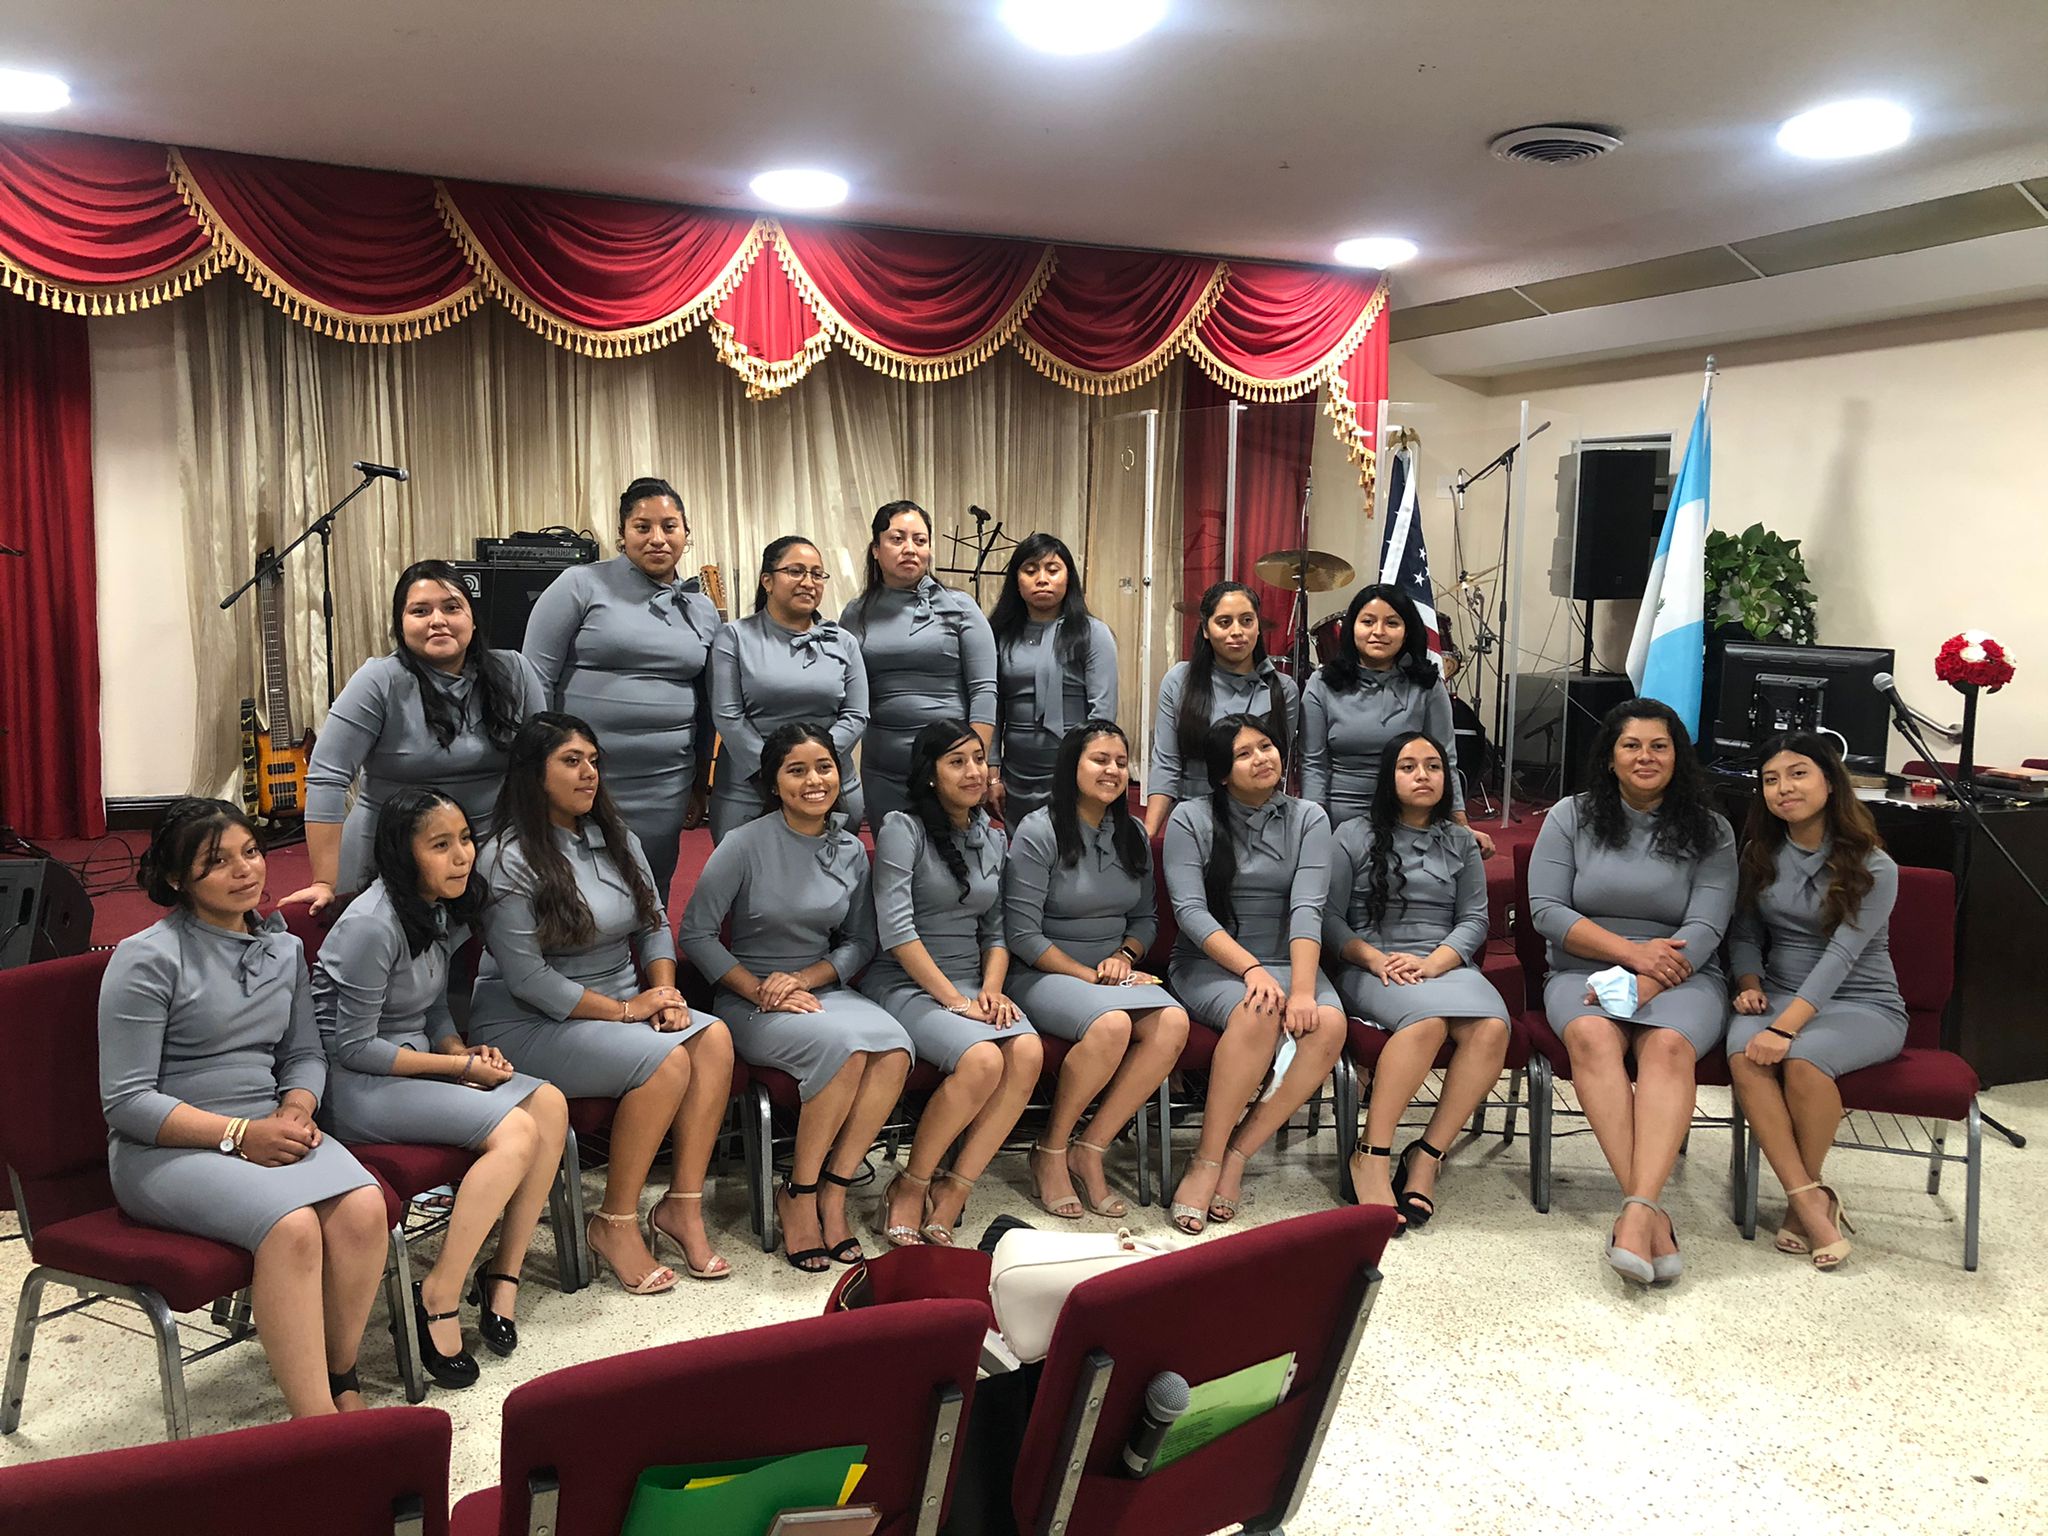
{"points": [[763, 1192], [405, 1337], [1515, 1081], [170, 1361], [1347, 1127], [567, 1278], [1748, 1194], [1973, 1185], [1141, 1135], [572, 1180], [1938, 1139], [1166, 1141], [27, 1311], [1539, 1132], [1739, 1181]]}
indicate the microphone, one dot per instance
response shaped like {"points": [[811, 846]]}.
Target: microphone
{"points": [[1166, 1399], [379, 471]]}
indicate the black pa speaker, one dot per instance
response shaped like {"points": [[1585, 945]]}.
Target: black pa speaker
{"points": [[44, 912], [502, 597], [1614, 514]]}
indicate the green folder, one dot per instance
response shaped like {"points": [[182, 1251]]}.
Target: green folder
{"points": [[746, 1501], [1217, 1407]]}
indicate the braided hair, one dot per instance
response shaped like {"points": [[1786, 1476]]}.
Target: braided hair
{"points": [[930, 744]]}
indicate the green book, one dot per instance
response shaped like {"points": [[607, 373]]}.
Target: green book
{"points": [[1217, 1407], [737, 1498]]}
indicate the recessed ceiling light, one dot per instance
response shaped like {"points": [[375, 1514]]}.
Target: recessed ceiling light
{"points": [[1081, 26], [1379, 251], [24, 91], [800, 188], [1844, 128]]}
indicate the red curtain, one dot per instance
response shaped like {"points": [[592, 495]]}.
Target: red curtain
{"points": [[91, 225], [49, 621]]}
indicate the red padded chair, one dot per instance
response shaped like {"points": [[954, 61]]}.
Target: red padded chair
{"points": [[1204, 1312], [1923, 1081], [896, 1379], [54, 1141], [1549, 1060], [359, 1473]]}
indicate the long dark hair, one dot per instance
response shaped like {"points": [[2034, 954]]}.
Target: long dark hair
{"points": [[1851, 832], [930, 744], [1412, 661], [646, 488], [1076, 636], [1219, 749], [1384, 877], [872, 583], [1198, 692], [498, 699], [1685, 816], [782, 741], [561, 916], [771, 557], [398, 823], [189, 830], [1133, 850]]}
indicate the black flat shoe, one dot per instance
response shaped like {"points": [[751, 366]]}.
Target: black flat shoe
{"points": [[1417, 1208], [454, 1371], [499, 1333], [339, 1382]]}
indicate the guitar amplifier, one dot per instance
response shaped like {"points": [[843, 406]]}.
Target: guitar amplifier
{"points": [[44, 912], [502, 597], [549, 549]]}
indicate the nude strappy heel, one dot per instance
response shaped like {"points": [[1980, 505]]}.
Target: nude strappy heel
{"points": [[901, 1234], [717, 1269], [1114, 1207], [1830, 1255], [1069, 1209], [938, 1233], [1191, 1219], [654, 1282]]}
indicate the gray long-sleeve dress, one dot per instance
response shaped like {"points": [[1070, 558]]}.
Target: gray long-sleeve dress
{"points": [[1439, 899], [1087, 912], [627, 653], [1229, 694], [917, 898], [1846, 977], [524, 995], [374, 999], [1343, 733], [1043, 699], [378, 728], [763, 676], [930, 654], [1283, 880], [194, 1014], [789, 901], [1637, 893]]}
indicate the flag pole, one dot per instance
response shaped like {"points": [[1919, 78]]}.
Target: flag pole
{"points": [[1707, 389]]}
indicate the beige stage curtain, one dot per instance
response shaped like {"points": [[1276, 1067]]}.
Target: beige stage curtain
{"points": [[503, 431]]}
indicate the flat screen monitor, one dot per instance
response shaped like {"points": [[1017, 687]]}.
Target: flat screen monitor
{"points": [[1766, 689]]}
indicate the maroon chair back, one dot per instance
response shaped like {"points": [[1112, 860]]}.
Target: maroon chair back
{"points": [[52, 1134], [1204, 1312], [353, 1475], [873, 1378], [1923, 945], [311, 928], [1163, 941], [1529, 946]]}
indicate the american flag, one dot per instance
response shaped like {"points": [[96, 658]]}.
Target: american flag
{"points": [[1404, 561]]}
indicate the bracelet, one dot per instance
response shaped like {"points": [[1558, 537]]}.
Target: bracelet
{"points": [[1133, 955], [1246, 973], [467, 1063], [1784, 1033]]}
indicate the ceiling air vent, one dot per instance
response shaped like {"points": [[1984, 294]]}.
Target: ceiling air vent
{"points": [[1553, 144]]}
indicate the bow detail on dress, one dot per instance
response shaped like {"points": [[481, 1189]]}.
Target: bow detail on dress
{"points": [[1382, 695], [1435, 850], [263, 953], [1811, 864], [808, 645], [1265, 826], [1049, 679], [984, 846], [839, 854]]}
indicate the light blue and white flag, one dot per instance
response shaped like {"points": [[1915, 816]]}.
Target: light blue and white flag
{"points": [[1667, 656]]}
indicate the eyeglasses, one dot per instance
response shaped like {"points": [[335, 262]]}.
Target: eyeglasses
{"points": [[799, 572]]}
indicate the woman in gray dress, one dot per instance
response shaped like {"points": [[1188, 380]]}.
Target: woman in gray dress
{"points": [[1407, 923], [397, 1071], [781, 664], [1078, 913], [929, 654], [623, 645], [1383, 684], [1248, 871], [210, 1076], [1055, 667], [1633, 881], [578, 986], [939, 920], [791, 887], [1815, 993], [1229, 674], [440, 710]]}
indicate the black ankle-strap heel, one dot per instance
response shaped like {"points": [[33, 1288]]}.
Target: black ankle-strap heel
{"points": [[849, 1251], [499, 1333], [812, 1261], [1416, 1208]]}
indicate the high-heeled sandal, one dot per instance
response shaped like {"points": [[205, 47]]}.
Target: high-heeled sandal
{"points": [[717, 1269], [847, 1250], [902, 1234], [939, 1233], [1362, 1150], [812, 1261], [1415, 1207], [1069, 1209], [1191, 1219], [654, 1282], [1830, 1255], [454, 1371], [1114, 1207], [1221, 1210], [499, 1333]]}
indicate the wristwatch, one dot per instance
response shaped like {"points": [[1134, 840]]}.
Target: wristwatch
{"points": [[231, 1138]]}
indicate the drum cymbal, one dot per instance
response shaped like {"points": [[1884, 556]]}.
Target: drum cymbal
{"points": [[1311, 570]]}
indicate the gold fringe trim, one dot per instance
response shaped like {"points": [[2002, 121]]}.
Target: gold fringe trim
{"points": [[112, 298], [1146, 368], [591, 342], [765, 380], [405, 325], [904, 365], [1343, 413], [1294, 386]]}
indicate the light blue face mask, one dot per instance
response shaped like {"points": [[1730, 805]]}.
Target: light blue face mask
{"points": [[1283, 1058], [1616, 989]]}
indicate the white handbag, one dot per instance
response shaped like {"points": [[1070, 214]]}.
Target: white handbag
{"points": [[1031, 1272]]}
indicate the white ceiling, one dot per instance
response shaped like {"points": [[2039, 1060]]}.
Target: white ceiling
{"points": [[1247, 127]]}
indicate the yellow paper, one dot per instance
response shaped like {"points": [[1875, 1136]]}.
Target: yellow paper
{"points": [[707, 1482], [853, 1477]]}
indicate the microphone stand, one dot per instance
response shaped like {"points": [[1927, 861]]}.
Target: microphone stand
{"points": [[1505, 459], [1902, 720], [323, 525]]}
